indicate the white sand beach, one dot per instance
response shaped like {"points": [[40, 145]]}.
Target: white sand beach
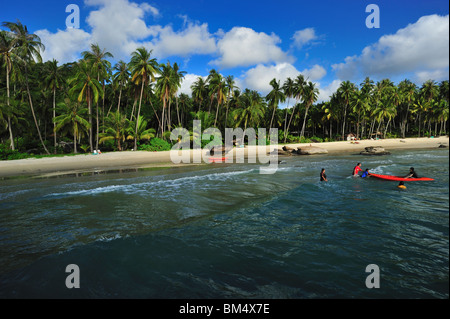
{"points": [[130, 159]]}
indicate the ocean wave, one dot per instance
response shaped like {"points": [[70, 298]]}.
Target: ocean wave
{"points": [[141, 187]]}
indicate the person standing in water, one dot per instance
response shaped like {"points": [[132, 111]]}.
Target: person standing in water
{"points": [[357, 169], [323, 176]]}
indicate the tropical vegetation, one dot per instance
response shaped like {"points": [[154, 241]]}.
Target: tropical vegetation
{"points": [[90, 104]]}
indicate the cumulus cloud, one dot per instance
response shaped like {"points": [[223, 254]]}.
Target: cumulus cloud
{"points": [[421, 48], [188, 80], [259, 77], [64, 46], [303, 37], [245, 47], [118, 25], [193, 39], [326, 92]]}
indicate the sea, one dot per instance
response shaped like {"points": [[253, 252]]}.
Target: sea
{"points": [[225, 231]]}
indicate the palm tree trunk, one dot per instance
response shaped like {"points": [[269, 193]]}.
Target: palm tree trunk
{"points": [[88, 93], [217, 113], [96, 143], [54, 115], [138, 114], [120, 97], [134, 108], [273, 115], [11, 137], [178, 112], [74, 142], [345, 117], [302, 134], [32, 111]]}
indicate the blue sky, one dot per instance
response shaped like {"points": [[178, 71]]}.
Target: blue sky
{"points": [[255, 41]]}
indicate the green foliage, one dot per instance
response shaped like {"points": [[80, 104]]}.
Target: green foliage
{"points": [[7, 154], [155, 145]]}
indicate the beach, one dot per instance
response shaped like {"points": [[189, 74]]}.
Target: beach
{"points": [[142, 159]]}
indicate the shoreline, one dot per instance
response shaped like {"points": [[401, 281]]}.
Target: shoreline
{"points": [[117, 161]]}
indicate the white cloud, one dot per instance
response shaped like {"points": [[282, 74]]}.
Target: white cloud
{"points": [[246, 47], [420, 48], [118, 25], [64, 46], [326, 92], [259, 77], [188, 80], [303, 37], [193, 39]]}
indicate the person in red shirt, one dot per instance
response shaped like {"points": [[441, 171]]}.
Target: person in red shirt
{"points": [[357, 169]]}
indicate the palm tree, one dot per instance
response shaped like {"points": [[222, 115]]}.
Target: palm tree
{"points": [[143, 69], [231, 89], [275, 97], [345, 91], [142, 132], [72, 120], [165, 89], [27, 47], [218, 88], [88, 89], [199, 91], [7, 55], [121, 78], [311, 93], [117, 126], [289, 90], [178, 79], [101, 67], [298, 92], [54, 80], [251, 111]]}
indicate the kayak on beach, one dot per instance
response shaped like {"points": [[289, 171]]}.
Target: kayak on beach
{"points": [[400, 179]]}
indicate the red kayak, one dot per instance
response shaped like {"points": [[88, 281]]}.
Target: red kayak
{"points": [[401, 179], [218, 159]]}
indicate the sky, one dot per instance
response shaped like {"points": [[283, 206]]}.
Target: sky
{"points": [[255, 41]]}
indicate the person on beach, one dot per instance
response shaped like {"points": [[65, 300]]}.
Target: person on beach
{"points": [[366, 173], [357, 169], [412, 173], [323, 176]]}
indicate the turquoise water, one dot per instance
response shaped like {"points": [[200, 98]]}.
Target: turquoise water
{"points": [[225, 231]]}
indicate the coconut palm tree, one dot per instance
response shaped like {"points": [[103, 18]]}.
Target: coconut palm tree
{"points": [[121, 78], [101, 67], [54, 80], [231, 87], [165, 83], [7, 55], [298, 92], [311, 94], [72, 119], [87, 88], [143, 69], [275, 97], [345, 91], [117, 126], [142, 133], [251, 111], [289, 90], [199, 91], [27, 48], [217, 89]]}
